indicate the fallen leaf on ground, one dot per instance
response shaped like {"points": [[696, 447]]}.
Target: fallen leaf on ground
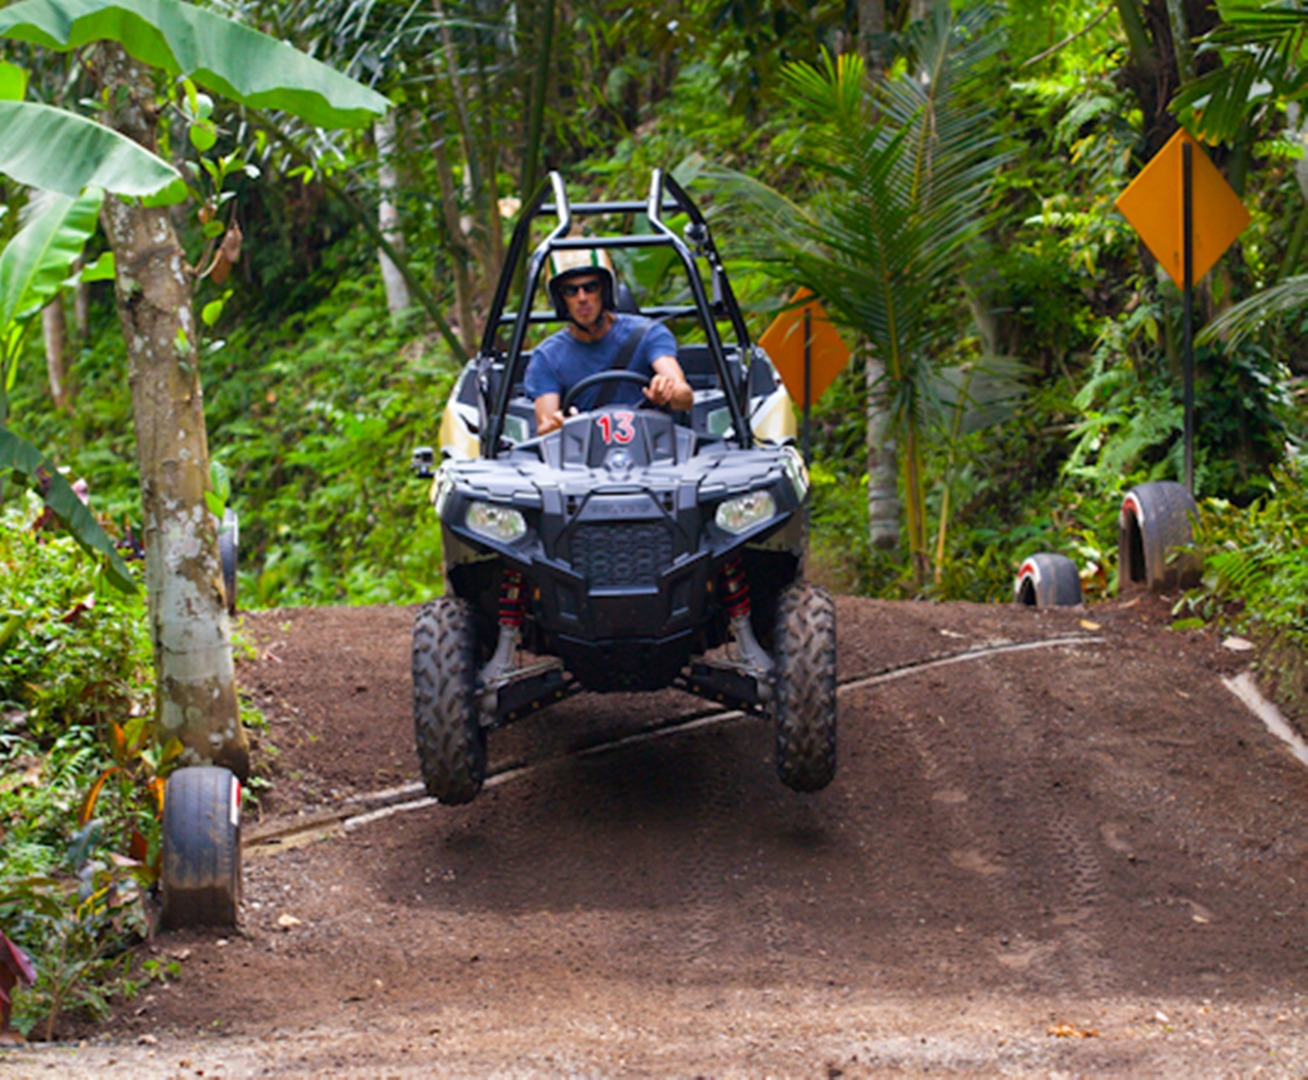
{"points": [[1067, 1031], [1086, 624], [1237, 644]]}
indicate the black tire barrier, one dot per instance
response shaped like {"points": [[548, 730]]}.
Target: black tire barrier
{"points": [[229, 541], [1047, 580], [200, 875], [1153, 527]]}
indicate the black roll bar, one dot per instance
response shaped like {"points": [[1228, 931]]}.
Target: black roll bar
{"points": [[659, 201]]}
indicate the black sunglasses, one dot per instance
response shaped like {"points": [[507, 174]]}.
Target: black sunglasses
{"points": [[571, 288]]}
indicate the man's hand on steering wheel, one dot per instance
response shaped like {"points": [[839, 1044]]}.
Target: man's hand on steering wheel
{"points": [[661, 390]]}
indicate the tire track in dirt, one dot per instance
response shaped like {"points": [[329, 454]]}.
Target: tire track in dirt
{"points": [[997, 832], [1030, 742]]}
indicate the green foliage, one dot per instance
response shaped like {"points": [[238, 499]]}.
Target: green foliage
{"points": [[316, 435], [33, 266], [236, 61], [77, 800], [70, 655], [1263, 46], [1256, 577], [88, 153], [905, 164]]}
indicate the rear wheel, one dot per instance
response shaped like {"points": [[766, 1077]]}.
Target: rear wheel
{"points": [[1047, 581], [451, 740], [804, 701], [201, 865]]}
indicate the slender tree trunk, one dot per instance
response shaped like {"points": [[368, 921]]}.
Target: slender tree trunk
{"points": [[871, 27], [196, 693], [55, 331], [915, 503], [1181, 40], [883, 508], [388, 217], [543, 35], [82, 310], [457, 248]]}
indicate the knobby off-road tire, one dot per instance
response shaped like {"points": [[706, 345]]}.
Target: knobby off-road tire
{"points": [[1047, 581], [1155, 521], [451, 740], [804, 702], [200, 874]]}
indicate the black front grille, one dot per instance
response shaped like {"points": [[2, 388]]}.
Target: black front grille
{"points": [[630, 553]]}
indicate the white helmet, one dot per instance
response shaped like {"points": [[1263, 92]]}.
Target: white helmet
{"points": [[570, 262]]}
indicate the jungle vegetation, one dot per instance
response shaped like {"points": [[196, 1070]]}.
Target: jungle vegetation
{"points": [[942, 175]]}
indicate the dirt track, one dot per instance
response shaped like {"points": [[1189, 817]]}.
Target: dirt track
{"points": [[1085, 857]]}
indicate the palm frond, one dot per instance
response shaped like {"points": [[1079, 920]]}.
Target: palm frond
{"points": [[1248, 316]]}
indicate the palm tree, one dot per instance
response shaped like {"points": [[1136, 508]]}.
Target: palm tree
{"points": [[903, 164]]}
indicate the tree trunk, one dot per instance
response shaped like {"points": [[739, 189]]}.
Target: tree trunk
{"points": [[871, 30], [82, 309], [388, 217], [56, 336], [883, 509], [543, 36], [196, 688], [456, 243]]}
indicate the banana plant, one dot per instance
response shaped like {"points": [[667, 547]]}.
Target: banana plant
{"points": [[37, 262], [135, 41]]}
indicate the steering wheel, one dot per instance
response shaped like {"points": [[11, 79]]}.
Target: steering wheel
{"points": [[603, 377]]}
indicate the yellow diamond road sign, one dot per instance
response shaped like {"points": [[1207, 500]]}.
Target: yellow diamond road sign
{"points": [[1153, 204], [783, 341]]}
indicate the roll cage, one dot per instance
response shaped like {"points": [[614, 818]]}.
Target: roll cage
{"points": [[665, 196]]}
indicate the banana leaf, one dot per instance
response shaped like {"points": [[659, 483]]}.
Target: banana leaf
{"points": [[23, 457], [50, 148], [36, 262], [242, 64]]}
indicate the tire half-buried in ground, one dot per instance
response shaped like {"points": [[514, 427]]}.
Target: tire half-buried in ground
{"points": [[1047, 580], [1153, 526], [804, 702], [201, 866], [451, 740]]}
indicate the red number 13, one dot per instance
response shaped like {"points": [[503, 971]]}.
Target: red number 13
{"points": [[616, 427]]}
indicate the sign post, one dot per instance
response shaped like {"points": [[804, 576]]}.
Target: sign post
{"points": [[1180, 177]]}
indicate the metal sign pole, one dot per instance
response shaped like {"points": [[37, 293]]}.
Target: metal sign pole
{"points": [[808, 370], [1187, 275]]}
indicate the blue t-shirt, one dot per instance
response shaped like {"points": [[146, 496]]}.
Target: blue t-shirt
{"points": [[561, 361]]}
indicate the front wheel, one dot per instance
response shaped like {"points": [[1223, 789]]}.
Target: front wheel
{"points": [[804, 700], [451, 740]]}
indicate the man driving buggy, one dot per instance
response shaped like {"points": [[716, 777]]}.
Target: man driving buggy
{"points": [[599, 338]]}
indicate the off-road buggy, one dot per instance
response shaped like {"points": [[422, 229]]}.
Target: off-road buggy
{"points": [[633, 549]]}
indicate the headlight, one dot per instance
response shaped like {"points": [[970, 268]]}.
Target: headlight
{"points": [[440, 491], [796, 471], [745, 511], [501, 523]]}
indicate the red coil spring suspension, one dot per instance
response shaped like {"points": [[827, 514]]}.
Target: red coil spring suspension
{"points": [[735, 589], [513, 600]]}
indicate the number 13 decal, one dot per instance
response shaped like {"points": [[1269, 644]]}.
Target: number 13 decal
{"points": [[615, 427]]}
